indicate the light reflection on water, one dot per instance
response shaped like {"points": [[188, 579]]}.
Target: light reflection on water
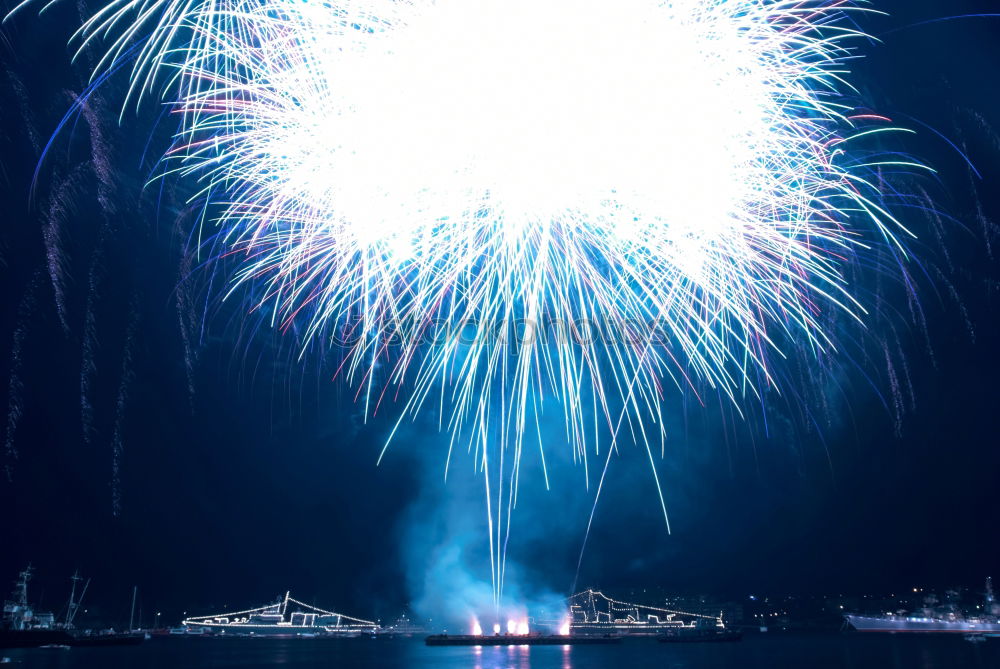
{"points": [[833, 651], [798, 652], [502, 657]]}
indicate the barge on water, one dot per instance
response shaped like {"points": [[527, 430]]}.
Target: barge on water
{"points": [[520, 639]]}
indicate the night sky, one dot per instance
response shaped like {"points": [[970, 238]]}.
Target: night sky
{"points": [[243, 472]]}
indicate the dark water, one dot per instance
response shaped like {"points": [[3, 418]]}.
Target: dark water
{"points": [[754, 652]]}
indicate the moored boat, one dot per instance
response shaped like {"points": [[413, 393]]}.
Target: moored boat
{"points": [[933, 620], [22, 626], [287, 618]]}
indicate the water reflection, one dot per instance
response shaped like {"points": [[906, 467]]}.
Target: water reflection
{"points": [[826, 652], [526, 657], [509, 657], [832, 651]]}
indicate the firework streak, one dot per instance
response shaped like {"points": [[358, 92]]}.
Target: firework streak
{"points": [[496, 205]]}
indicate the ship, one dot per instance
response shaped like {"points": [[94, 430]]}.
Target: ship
{"points": [[933, 620], [287, 617], [23, 627], [594, 613]]}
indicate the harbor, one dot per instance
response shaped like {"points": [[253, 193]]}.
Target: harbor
{"points": [[24, 627], [598, 629]]}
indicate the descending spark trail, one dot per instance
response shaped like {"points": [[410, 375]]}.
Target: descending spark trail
{"points": [[118, 437], [187, 320], [59, 211], [15, 384], [89, 342], [509, 203]]}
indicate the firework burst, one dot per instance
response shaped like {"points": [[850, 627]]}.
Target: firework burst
{"points": [[498, 205]]}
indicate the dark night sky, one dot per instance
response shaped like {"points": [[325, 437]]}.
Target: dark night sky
{"points": [[263, 478]]}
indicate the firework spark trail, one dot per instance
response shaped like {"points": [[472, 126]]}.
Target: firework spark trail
{"points": [[937, 226], [21, 95], [15, 384], [187, 321], [991, 230], [60, 210], [957, 300], [89, 343], [907, 377], [118, 434], [92, 110], [452, 178], [898, 407]]}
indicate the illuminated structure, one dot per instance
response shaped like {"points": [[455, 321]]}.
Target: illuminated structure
{"points": [[593, 612], [18, 614], [985, 620], [286, 617]]}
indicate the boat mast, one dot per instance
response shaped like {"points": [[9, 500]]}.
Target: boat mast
{"points": [[16, 612], [74, 604], [991, 601], [131, 616], [21, 588]]}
